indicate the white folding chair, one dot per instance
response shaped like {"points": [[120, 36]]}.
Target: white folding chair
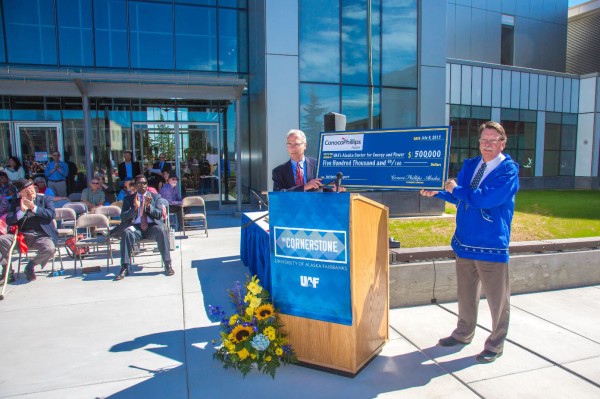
{"points": [[98, 222]]}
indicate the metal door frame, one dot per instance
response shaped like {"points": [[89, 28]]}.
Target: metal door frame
{"points": [[178, 152], [15, 138]]}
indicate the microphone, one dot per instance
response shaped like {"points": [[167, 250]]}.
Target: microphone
{"points": [[338, 181]]}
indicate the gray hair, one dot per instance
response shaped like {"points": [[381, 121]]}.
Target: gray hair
{"points": [[296, 132]]}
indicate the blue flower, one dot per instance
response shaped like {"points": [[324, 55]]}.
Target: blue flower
{"points": [[260, 342]]}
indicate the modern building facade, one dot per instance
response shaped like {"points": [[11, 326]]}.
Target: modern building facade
{"points": [[224, 80], [583, 39]]}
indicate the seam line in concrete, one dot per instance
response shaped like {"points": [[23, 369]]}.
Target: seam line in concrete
{"points": [[465, 384], [568, 370]]}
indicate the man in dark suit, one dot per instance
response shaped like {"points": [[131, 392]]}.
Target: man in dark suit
{"points": [[297, 174], [33, 214], [162, 164], [128, 169], [142, 215]]}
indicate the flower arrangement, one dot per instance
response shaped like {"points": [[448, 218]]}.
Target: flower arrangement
{"points": [[252, 336]]}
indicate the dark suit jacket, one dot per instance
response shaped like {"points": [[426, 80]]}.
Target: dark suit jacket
{"points": [[166, 166], [45, 213], [283, 175], [136, 169], [129, 213]]}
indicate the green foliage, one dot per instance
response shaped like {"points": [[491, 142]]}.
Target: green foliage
{"points": [[539, 215]]}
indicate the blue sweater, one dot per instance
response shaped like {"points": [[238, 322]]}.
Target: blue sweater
{"points": [[484, 215]]}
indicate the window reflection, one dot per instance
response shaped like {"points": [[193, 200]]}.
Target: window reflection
{"points": [[399, 43], [355, 49], [315, 101], [231, 24], [30, 31], [198, 36], [75, 32], [151, 37], [357, 105], [398, 108], [110, 28], [319, 41]]}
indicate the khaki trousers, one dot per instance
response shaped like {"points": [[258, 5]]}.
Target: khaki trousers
{"points": [[472, 276]]}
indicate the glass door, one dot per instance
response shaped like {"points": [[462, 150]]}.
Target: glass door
{"points": [[191, 150], [34, 142]]}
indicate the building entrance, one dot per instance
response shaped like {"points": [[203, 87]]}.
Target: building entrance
{"points": [[190, 150], [34, 143]]}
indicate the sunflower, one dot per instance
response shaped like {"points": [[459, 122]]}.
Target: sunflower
{"points": [[264, 311], [241, 333]]}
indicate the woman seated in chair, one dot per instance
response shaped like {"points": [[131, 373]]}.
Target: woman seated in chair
{"points": [[42, 188]]}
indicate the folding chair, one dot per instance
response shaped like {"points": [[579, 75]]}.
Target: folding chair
{"points": [[165, 218], [98, 222], [65, 226], [190, 202], [79, 207], [113, 213]]}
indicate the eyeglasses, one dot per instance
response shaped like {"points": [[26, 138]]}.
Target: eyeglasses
{"points": [[95, 182], [486, 141], [294, 145], [142, 183], [56, 155]]}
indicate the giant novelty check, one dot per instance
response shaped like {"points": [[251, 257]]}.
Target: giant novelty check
{"points": [[413, 158]]}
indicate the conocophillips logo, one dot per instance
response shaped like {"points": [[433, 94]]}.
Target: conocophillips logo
{"points": [[343, 142]]}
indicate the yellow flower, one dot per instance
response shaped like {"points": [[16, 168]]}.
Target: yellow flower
{"points": [[254, 288], [250, 310], [243, 354], [255, 302], [264, 311], [268, 358], [279, 351], [270, 333], [233, 319], [241, 333], [230, 347], [248, 297], [253, 356]]}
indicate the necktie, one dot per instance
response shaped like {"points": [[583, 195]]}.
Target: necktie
{"points": [[143, 216], [299, 175], [478, 176]]}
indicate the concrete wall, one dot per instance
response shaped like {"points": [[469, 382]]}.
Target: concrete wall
{"points": [[417, 283]]}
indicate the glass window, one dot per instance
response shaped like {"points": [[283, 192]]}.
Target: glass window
{"points": [[233, 3], [75, 32], [560, 144], [355, 42], [151, 35], [315, 101], [197, 2], [2, 52], [30, 31], [399, 43], [196, 38], [110, 24], [319, 41], [551, 163], [398, 108], [232, 44], [35, 108], [357, 105], [552, 137]]}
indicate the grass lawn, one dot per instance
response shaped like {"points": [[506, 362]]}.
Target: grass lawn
{"points": [[539, 215]]}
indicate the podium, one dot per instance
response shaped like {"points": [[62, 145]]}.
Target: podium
{"points": [[329, 276]]}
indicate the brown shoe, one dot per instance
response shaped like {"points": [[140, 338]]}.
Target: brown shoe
{"points": [[451, 341]]}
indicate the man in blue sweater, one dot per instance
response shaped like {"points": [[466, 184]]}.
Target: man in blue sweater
{"points": [[484, 194]]}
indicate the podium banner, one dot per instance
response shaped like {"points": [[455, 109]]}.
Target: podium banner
{"points": [[310, 258], [407, 159]]}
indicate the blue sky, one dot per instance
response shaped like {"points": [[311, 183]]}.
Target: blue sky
{"points": [[576, 2]]}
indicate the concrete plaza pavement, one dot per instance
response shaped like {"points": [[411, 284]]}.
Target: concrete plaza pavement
{"points": [[149, 336]]}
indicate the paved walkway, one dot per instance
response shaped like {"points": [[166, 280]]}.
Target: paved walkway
{"points": [[149, 336]]}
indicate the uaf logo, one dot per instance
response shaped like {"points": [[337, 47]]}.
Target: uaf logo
{"points": [[306, 281], [343, 142]]}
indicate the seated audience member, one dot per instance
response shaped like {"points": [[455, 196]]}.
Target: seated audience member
{"points": [[6, 189], [42, 188], [170, 192], [141, 217], [33, 214], [126, 190], [93, 196], [14, 169]]}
